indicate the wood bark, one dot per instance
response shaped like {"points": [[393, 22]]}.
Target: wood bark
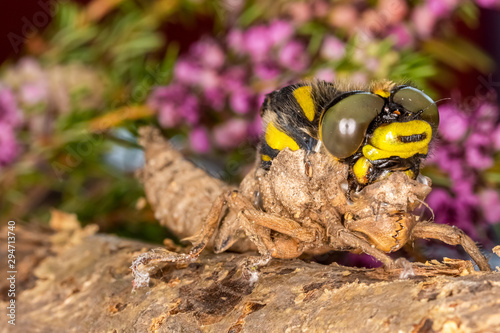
{"points": [[78, 281]]}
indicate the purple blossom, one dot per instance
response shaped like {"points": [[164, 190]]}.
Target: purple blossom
{"points": [[208, 79], [301, 12], [235, 41], [477, 151], [372, 64], [450, 158], [231, 133], [190, 109], [187, 71], [496, 138], [441, 8], [9, 112], [325, 74], [485, 117], [174, 104], [449, 210], [233, 78], [9, 147], [215, 98], [34, 93], [209, 53], [241, 101], [490, 203], [332, 48], [198, 138], [168, 116], [280, 31], [257, 42], [267, 70], [424, 21], [454, 124], [255, 127], [294, 56], [488, 3], [359, 77], [401, 35], [465, 151]]}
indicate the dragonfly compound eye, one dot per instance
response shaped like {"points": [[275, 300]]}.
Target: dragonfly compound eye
{"points": [[344, 123], [417, 102]]}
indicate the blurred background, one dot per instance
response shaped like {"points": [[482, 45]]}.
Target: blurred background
{"points": [[78, 78]]}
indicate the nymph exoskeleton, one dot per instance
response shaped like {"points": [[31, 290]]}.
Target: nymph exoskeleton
{"points": [[338, 169]]}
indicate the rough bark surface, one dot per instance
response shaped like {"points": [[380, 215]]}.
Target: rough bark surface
{"points": [[80, 282], [73, 280], [180, 193]]}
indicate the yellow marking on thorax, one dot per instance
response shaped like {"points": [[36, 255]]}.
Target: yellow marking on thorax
{"points": [[410, 174], [361, 169], [277, 139], [385, 141], [304, 98], [266, 158], [382, 88], [382, 93]]}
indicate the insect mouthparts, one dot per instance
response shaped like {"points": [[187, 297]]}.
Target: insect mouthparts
{"points": [[412, 138]]}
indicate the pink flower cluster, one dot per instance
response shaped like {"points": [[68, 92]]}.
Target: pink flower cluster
{"points": [[10, 120], [219, 85], [468, 142]]}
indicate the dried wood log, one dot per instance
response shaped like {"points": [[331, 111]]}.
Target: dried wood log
{"points": [[180, 193], [82, 283]]}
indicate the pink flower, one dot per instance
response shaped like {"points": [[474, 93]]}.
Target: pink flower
{"points": [[496, 138], [325, 74], [34, 93], [490, 204], [441, 8], [9, 148], [424, 21], [257, 42], [174, 104], [294, 56], [394, 11], [301, 12], [186, 71], [234, 79], [454, 124], [241, 101], [332, 48], [168, 116], [449, 210], [488, 3], [344, 16], [215, 98], [235, 41], [485, 117], [198, 138], [449, 158], [372, 64], [280, 31], [359, 77], [267, 70], [208, 53], [208, 79], [190, 109], [231, 133], [255, 127], [10, 114], [401, 35], [477, 151]]}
